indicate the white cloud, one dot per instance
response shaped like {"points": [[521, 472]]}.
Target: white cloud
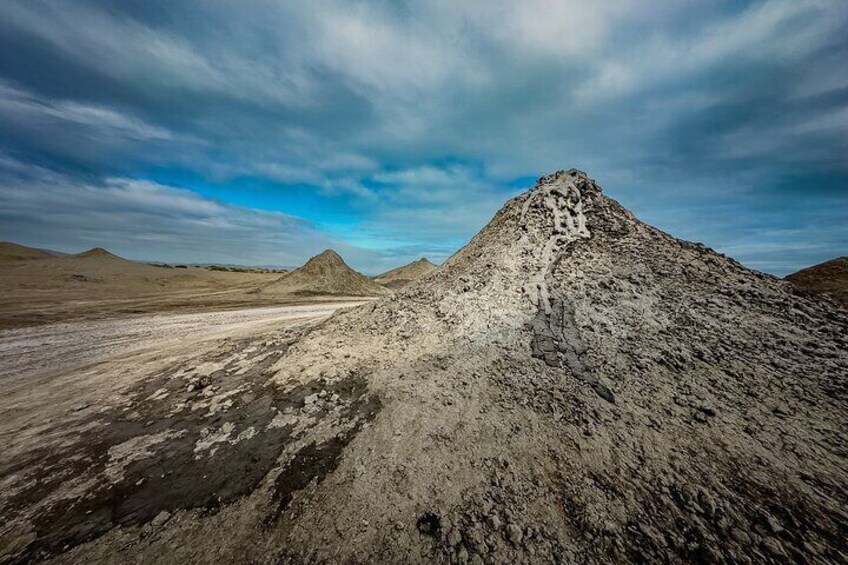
{"points": [[30, 110], [123, 214], [372, 104]]}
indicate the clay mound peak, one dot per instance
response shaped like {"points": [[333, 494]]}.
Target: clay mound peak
{"points": [[327, 257], [425, 263]]}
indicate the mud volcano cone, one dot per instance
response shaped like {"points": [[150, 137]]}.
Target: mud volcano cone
{"points": [[573, 386]]}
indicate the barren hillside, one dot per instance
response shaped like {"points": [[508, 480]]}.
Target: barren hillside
{"points": [[96, 283], [573, 386]]}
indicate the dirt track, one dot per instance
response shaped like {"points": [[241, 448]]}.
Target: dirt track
{"points": [[59, 348]]}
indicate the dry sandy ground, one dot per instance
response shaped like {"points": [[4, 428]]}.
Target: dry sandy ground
{"points": [[34, 298], [37, 290], [96, 285]]}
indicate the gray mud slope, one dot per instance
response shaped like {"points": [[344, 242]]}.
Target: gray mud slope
{"points": [[572, 386]]}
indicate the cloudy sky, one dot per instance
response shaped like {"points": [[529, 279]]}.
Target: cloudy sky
{"points": [[262, 132]]}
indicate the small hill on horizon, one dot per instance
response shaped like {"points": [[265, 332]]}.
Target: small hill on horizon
{"points": [[15, 252], [325, 274], [830, 277], [402, 276], [97, 253]]}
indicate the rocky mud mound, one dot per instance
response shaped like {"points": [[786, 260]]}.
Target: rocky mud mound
{"points": [[573, 386], [402, 276], [325, 274], [830, 278]]}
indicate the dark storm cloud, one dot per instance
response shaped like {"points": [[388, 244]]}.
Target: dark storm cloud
{"points": [[725, 122]]}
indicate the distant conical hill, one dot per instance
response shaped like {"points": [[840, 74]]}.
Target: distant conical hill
{"points": [[402, 276], [325, 274], [830, 277], [97, 253]]}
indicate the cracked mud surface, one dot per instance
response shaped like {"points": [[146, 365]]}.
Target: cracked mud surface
{"points": [[573, 386]]}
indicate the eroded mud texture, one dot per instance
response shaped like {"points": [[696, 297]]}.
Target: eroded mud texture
{"points": [[183, 440]]}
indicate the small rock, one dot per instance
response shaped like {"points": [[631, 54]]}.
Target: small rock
{"points": [[706, 502], [707, 410], [773, 525], [160, 519], [811, 548], [773, 547], [495, 522], [514, 533], [781, 411], [477, 560], [462, 556], [454, 537], [81, 406], [740, 536]]}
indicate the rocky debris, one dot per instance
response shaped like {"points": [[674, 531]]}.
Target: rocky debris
{"points": [[80, 406], [160, 519], [573, 386]]}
